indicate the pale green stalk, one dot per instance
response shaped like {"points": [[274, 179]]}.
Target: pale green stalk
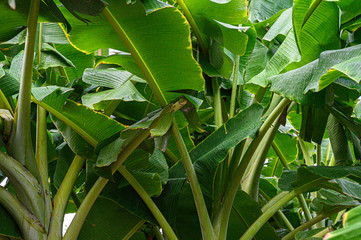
{"points": [[149, 202], [232, 106], [222, 216], [61, 198], [308, 160], [300, 197], [218, 119], [28, 189], [42, 161], [279, 213], [28, 224], [206, 226], [21, 147], [312, 222], [251, 184]]}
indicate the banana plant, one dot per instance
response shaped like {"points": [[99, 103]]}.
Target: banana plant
{"points": [[182, 119]]}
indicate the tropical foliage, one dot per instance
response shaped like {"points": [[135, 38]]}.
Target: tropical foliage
{"points": [[186, 119]]}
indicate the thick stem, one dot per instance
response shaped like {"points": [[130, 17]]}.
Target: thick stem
{"points": [[62, 197], [222, 167], [22, 134], [234, 87], [312, 222], [279, 213], [222, 217], [251, 186], [27, 188], [308, 160], [274, 205], [218, 119], [149, 202], [205, 222], [29, 225], [318, 155], [77, 223], [42, 161]]}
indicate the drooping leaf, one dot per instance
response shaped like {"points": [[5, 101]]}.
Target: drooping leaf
{"points": [[261, 10], [281, 27], [304, 175], [92, 126], [351, 226], [127, 92], [328, 199]]}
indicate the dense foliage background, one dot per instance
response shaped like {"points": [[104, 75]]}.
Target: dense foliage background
{"points": [[187, 119]]}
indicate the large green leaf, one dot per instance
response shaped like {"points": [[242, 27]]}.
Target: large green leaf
{"points": [[316, 27], [108, 220], [164, 56], [13, 21], [211, 151], [287, 53]]}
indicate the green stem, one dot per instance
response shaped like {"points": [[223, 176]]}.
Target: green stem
{"points": [[274, 205], [77, 223], [234, 87], [29, 225], [222, 216], [280, 214], [149, 202], [42, 161], [27, 188], [194, 26], [306, 210], [300, 197], [312, 222], [40, 42], [218, 119], [137, 57], [251, 185], [222, 167], [308, 160], [157, 233], [206, 226], [62, 197], [22, 134], [318, 155]]}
